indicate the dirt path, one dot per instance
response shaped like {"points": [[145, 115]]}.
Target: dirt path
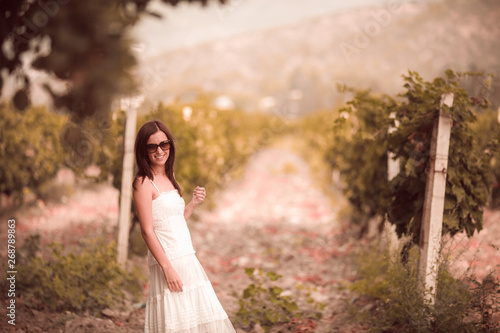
{"points": [[276, 219], [276, 189]]}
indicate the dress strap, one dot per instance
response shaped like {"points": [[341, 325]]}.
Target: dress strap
{"points": [[154, 186]]}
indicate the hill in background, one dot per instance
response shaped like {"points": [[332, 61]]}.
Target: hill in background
{"points": [[295, 69]]}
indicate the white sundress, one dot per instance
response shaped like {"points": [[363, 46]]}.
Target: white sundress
{"points": [[196, 309]]}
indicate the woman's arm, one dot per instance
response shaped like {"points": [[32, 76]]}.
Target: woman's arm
{"points": [[198, 197], [144, 205]]}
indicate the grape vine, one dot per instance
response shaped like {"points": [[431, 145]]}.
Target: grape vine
{"points": [[362, 141]]}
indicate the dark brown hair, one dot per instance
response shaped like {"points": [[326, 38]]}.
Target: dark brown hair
{"points": [[141, 154]]}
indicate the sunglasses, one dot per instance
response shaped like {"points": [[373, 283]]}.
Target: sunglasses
{"points": [[164, 145]]}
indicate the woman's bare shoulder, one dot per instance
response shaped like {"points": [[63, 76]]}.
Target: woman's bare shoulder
{"points": [[141, 183]]}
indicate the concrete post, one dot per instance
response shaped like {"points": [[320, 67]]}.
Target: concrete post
{"points": [[130, 106], [432, 220]]}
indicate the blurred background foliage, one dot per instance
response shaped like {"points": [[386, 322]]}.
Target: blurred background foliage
{"points": [[486, 129], [83, 48], [213, 144], [30, 150]]}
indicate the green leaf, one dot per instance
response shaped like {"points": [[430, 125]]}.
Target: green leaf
{"points": [[291, 307], [249, 271], [449, 203], [409, 167], [272, 317], [459, 193], [276, 291], [249, 291], [273, 276]]}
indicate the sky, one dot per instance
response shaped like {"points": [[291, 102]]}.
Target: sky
{"points": [[190, 24]]}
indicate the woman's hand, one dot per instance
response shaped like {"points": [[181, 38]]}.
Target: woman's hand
{"points": [[199, 195], [174, 282]]}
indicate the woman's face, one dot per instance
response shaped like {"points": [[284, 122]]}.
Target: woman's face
{"points": [[159, 156]]}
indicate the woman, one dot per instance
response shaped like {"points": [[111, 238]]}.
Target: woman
{"points": [[181, 298]]}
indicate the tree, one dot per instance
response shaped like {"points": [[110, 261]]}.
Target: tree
{"points": [[84, 44]]}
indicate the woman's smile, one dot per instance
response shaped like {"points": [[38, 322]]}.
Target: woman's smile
{"points": [[160, 157]]}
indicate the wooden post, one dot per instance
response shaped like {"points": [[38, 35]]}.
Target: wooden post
{"points": [[392, 171], [392, 165], [130, 106], [432, 219]]}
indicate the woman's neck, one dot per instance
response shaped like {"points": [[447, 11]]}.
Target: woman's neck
{"points": [[158, 172]]}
